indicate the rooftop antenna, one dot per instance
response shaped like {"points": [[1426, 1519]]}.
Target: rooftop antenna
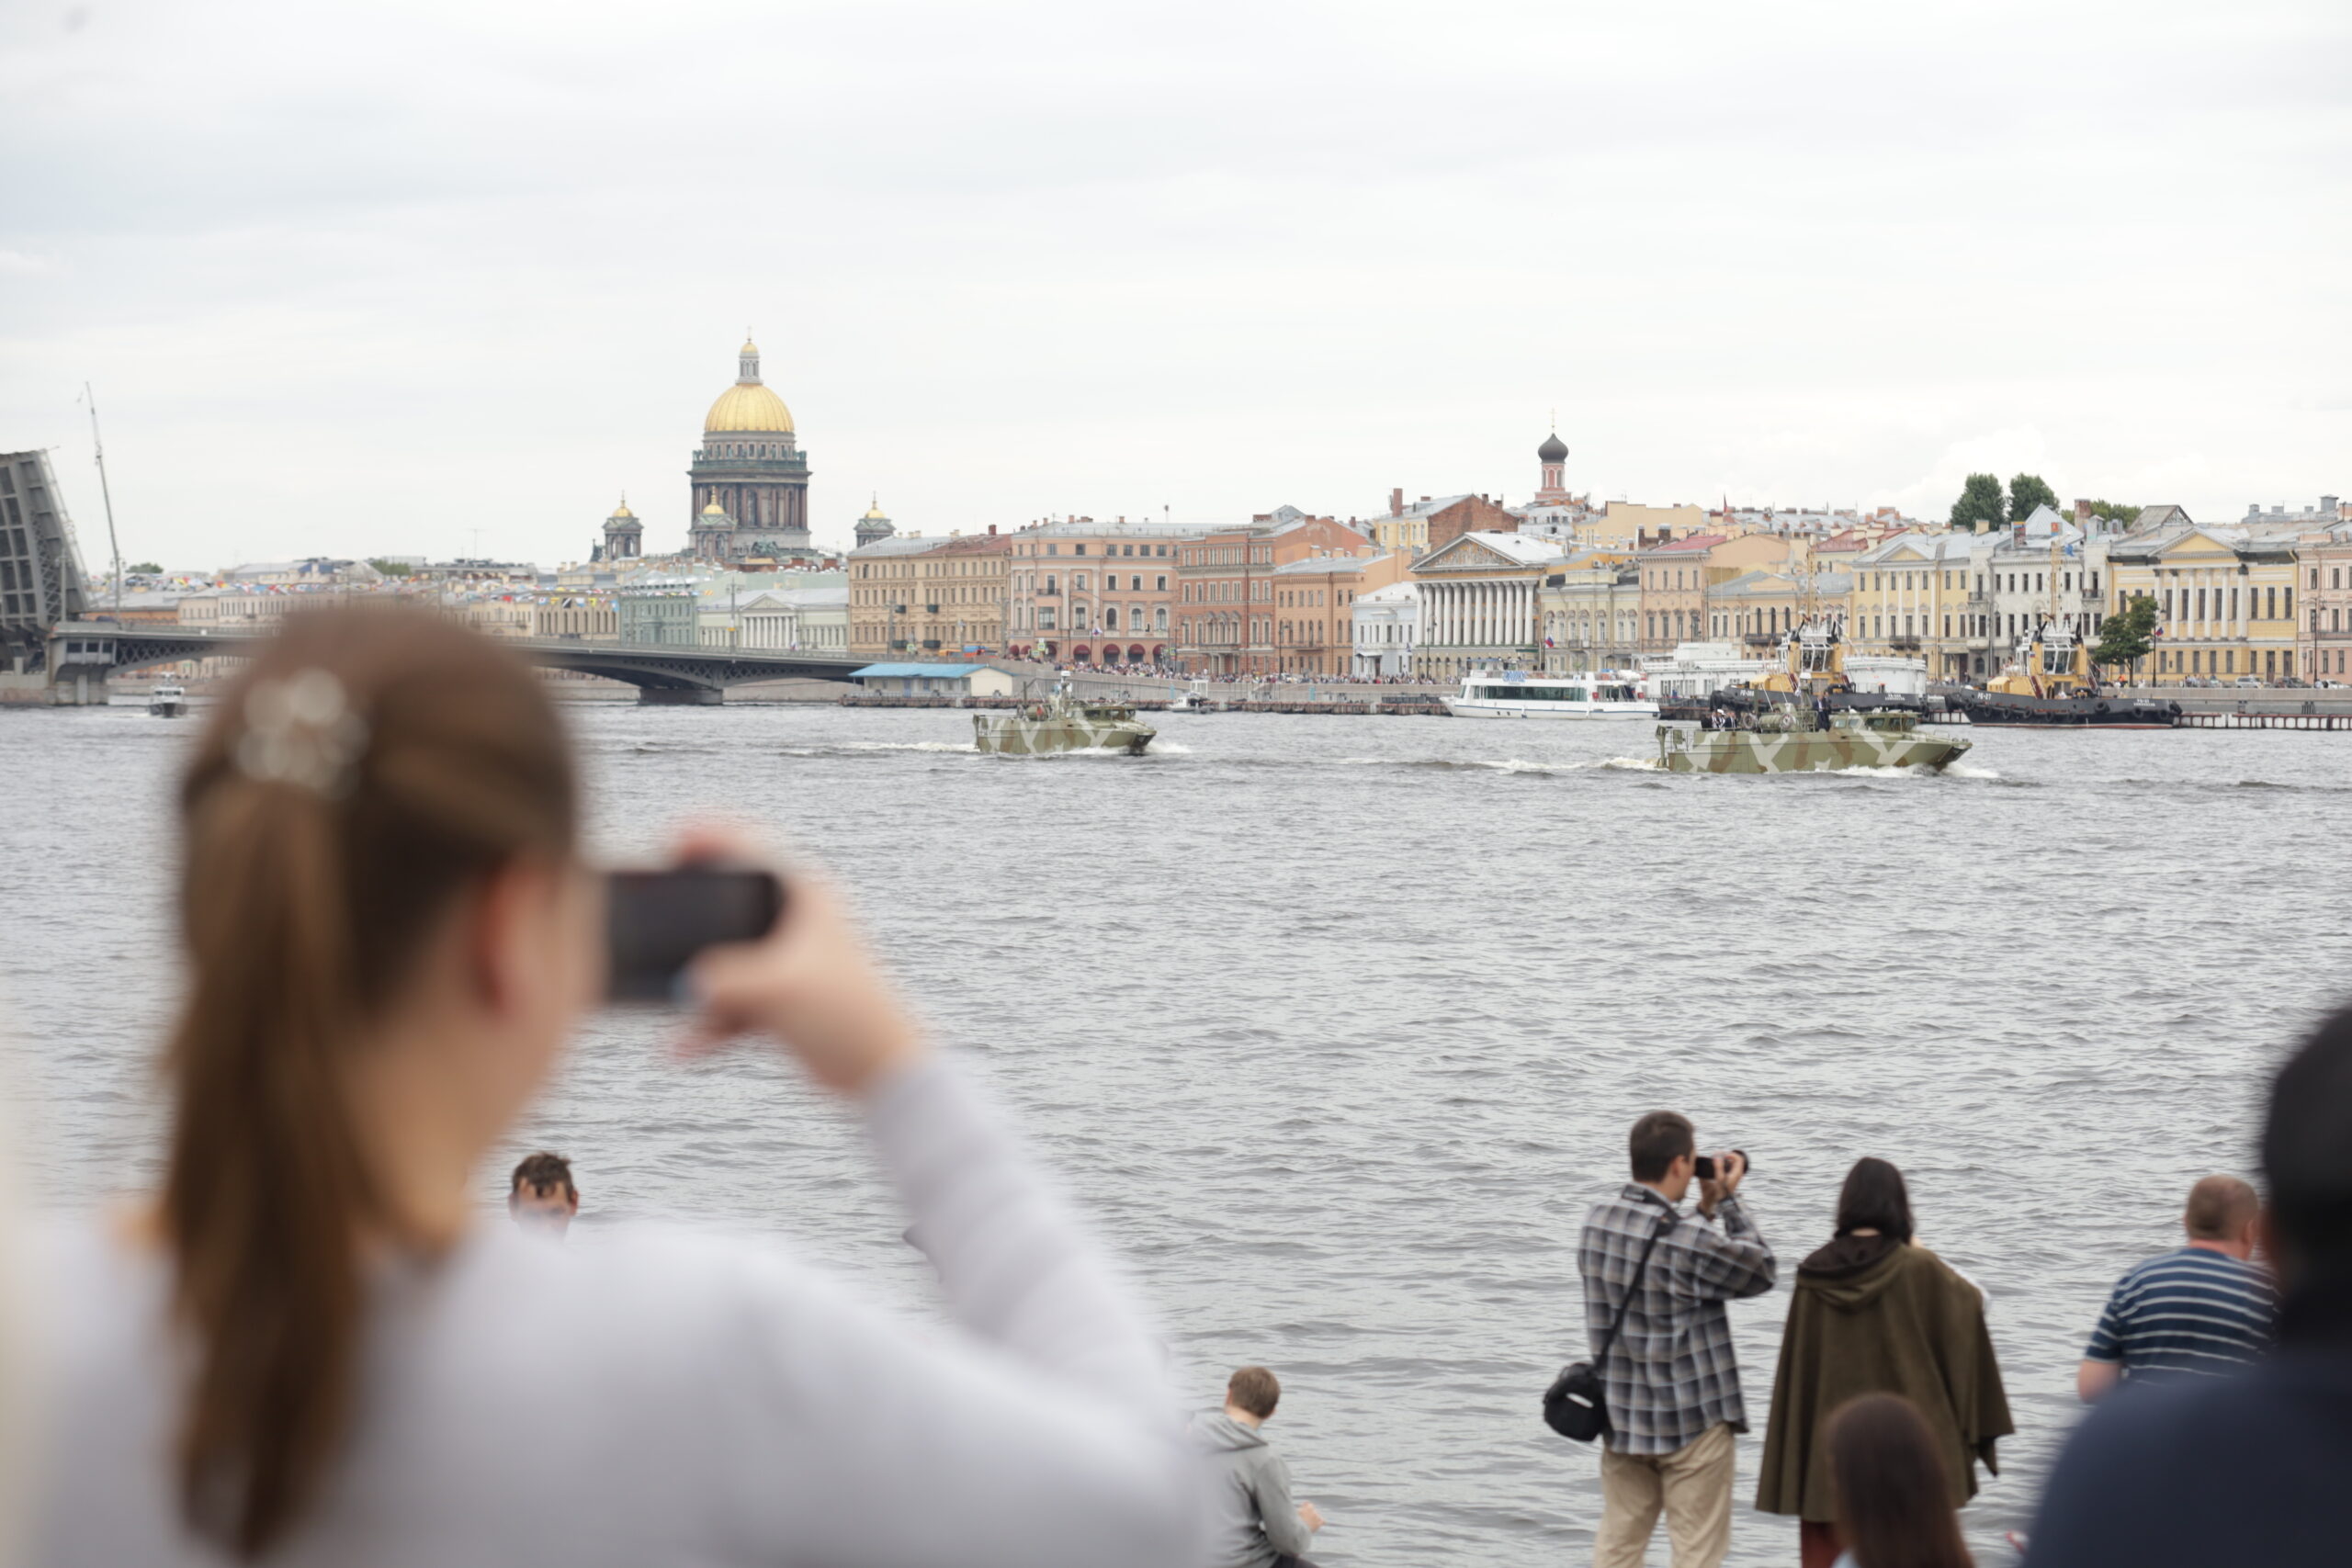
{"points": [[100, 448]]}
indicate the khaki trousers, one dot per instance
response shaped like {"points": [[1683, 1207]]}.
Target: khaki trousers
{"points": [[1691, 1486]]}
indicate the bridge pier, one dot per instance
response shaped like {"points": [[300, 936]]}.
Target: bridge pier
{"points": [[680, 697]]}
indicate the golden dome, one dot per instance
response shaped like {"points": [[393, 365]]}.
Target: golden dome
{"points": [[747, 405], [622, 511], [874, 513], [714, 510]]}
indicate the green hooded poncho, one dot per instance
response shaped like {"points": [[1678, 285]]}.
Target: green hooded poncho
{"points": [[1871, 1316]]}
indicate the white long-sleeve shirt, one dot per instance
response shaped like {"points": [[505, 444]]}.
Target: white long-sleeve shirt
{"points": [[669, 1398]]}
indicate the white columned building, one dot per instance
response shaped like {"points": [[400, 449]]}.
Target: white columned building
{"points": [[1479, 603]]}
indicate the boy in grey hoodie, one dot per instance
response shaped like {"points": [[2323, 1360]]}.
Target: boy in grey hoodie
{"points": [[1256, 1524]]}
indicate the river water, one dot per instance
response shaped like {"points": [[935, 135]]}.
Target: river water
{"points": [[1334, 1027]]}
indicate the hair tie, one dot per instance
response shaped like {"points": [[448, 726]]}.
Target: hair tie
{"points": [[301, 730]]}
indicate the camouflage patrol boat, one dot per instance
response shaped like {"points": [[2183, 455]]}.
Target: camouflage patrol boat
{"points": [[1790, 739], [1061, 723], [1804, 717]]}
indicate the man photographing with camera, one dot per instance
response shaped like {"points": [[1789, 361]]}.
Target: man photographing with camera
{"points": [[1671, 1383]]}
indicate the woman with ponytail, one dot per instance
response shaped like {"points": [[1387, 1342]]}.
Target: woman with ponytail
{"points": [[309, 1350]]}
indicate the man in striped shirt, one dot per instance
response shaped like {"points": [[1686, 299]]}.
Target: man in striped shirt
{"points": [[2202, 1310]]}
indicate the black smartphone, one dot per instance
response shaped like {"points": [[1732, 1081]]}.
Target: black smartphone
{"points": [[1704, 1167], [656, 922]]}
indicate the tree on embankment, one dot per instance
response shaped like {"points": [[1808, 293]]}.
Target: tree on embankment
{"points": [[2028, 492], [1981, 506], [2126, 636]]}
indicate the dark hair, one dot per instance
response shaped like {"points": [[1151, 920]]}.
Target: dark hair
{"points": [[1894, 1504], [2304, 1137], [370, 767], [1874, 1198], [1255, 1389], [2219, 1208], [541, 1172], [1658, 1140]]}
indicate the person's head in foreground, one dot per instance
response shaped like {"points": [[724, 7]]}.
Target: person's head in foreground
{"points": [[1895, 1503], [2307, 1166], [540, 1195], [383, 907], [1250, 1396]]}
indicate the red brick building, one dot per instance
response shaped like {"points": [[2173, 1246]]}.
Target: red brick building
{"points": [[1227, 609]]}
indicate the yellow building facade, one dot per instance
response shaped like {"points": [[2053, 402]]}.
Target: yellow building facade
{"points": [[1625, 524], [2225, 602], [1920, 595], [929, 597]]}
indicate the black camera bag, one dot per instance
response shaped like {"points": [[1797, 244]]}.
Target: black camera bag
{"points": [[1573, 1405]]}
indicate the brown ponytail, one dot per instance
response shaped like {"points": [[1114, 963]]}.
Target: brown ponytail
{"points": [[327, 834]]}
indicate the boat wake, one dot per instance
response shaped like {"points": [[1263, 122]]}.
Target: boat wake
{"points": [[1955, 770], [1506, 765]]}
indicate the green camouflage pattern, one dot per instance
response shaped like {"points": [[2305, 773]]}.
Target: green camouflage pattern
{"points": [[1060, 724], [1789, 743]]}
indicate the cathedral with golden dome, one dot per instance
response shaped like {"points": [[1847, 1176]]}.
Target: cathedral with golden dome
{"points": [[749, 478]]}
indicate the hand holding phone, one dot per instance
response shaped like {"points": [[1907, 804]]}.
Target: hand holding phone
{"points": [[658, 922], [810, 983]]}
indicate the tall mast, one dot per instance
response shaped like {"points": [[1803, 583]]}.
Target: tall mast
{"points": [[99, 447]]}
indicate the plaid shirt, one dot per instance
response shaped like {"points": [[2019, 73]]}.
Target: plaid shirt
{"points": [[1672, 1374]]}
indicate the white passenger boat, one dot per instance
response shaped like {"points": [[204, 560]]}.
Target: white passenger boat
{"points": [[1520, 693], [167, 702]]}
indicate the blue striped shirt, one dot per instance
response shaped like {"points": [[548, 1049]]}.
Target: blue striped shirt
{"points": [[2190, 1311]]}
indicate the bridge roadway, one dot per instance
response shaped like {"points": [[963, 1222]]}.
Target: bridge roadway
{"points": [[81, 652]]}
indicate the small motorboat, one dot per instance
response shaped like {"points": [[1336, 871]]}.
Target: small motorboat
{"points": [[1192, 699], [167, 702]]}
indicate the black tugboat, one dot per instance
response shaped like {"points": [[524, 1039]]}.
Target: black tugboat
{"points": [[2052, 685]]}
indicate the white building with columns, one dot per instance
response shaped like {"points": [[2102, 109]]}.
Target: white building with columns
{"points": [[1478, 604]]}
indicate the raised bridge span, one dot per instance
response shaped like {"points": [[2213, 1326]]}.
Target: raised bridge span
{"points": [[83, 654]]}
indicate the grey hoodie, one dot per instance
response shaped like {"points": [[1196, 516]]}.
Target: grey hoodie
{"points": [[1253, 1521]]}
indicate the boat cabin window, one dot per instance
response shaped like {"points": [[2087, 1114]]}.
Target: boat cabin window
{"points": [[1526, 694]]}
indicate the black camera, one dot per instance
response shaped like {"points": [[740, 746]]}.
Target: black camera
{"points": [[1704, 1167]]}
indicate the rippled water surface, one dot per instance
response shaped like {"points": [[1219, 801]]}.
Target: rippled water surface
{"points": [[1336, 1025]]}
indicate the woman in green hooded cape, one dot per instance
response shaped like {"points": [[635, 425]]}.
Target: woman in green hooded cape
{"points": [[1874, 1312]]}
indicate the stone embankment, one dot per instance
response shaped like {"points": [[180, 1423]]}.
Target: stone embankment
{"points": [[1409, 702]]}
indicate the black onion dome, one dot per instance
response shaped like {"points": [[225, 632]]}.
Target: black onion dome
{"points": [[1554, 449]]}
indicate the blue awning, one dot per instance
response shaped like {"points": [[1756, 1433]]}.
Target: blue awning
{"points": [[926, 671]]}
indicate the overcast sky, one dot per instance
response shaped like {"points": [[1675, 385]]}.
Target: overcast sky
{"points": [[360, 279]]}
